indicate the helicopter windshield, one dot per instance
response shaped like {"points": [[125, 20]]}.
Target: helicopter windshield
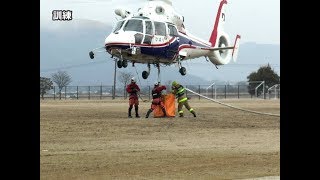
{"points": [[134, 25], [118, 26]]}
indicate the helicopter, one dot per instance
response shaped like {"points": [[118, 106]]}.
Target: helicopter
{"points": [[156, 35]]}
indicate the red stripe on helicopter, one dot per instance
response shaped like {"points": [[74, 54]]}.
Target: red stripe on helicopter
{"points": [[214, 33], [186, 46], [235, 41], [192, 47], [148, 45]]}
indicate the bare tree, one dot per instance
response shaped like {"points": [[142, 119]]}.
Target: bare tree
{"points": [[62, 79], [124, 78]]}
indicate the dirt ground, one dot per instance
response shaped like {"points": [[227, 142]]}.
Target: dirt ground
{"points": [[94, 139]]}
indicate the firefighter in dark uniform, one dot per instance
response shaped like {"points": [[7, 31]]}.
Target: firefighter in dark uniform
{"points": [[156, 98], [179, 92], [133, 89]]}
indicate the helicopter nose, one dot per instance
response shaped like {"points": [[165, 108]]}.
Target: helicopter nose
{"points": [[110, 39], [121, 37]]}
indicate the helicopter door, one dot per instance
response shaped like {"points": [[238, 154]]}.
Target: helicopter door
{"points": [[172, 31], [173, 49], [160, 33]]}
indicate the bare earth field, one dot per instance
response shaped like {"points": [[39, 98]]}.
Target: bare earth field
{"points": [[94, 139]]}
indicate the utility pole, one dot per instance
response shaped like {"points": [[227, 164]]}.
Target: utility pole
{"points": [[114, 79]]}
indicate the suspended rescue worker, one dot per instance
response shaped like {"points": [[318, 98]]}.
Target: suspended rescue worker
{"points": [[179, 91], [133, 89], [156, 98]]}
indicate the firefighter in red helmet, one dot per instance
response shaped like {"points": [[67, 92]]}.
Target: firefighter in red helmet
{"points": [[156, 98]]}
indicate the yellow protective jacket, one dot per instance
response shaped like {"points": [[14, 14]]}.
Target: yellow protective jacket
{"points": [[180, 93]]}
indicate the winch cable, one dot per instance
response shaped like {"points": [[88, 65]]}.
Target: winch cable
{"points": [[139, 85], [137, 75], [262, 113]]}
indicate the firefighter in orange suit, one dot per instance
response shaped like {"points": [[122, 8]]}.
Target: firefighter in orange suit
{"points": [[133, 89]]}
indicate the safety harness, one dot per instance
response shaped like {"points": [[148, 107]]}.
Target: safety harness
{"points": [[155, 94]]}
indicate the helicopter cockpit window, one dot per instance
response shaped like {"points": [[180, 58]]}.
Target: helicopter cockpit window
{"points": [[160, 28], [134, 25], [118, 26], [172, 30]]}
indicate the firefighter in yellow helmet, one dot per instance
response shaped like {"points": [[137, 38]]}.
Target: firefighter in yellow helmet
{"points": [[179, 92]]}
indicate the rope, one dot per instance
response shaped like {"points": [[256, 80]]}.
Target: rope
{"points": [[144, 100], [137, 75], [140, 86], [269, 114], [159, 78]]}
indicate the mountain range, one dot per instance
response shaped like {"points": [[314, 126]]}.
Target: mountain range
{"points": [[66, 45]]}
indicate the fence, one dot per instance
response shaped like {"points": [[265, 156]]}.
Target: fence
{"points": [[274, 91], [106, 92]]}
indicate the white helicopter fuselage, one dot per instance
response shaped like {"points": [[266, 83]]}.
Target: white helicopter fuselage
{"points": [[156, 34], [140, 45]]}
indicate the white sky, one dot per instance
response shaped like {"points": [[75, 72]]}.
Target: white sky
{"points": [[255, 20]]}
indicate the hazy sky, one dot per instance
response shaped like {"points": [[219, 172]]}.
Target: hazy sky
{"points": [[255, 20]]}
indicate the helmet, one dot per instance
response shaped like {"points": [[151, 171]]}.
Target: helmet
{"points": [[174, 83], [133, 79], [156, 83]]}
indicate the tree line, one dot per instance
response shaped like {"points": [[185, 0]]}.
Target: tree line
{"points": [[62, 79]]}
